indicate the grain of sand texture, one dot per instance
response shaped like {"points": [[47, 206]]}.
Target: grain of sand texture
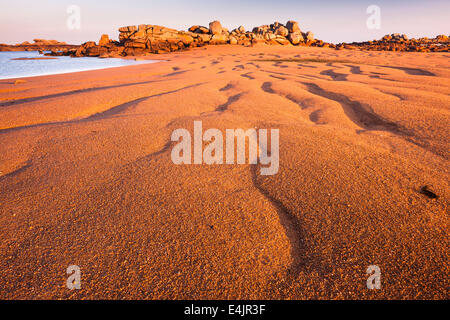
{"points": [[86, 178]]}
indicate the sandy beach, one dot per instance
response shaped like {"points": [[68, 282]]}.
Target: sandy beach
{"points": [[86, 178]]}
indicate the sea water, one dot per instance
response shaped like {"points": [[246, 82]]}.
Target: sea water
{"points": [[10, 69]]}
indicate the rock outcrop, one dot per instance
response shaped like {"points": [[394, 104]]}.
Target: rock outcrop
{"points": [[400, 42], [152, 39], [104, 40], [39, 45], [146, 39], [293, 27], [215, 28]]}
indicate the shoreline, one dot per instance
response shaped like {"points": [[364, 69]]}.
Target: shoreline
{"points": [[139, 60], [166, 57]]}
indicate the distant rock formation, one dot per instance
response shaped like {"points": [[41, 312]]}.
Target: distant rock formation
{"points": [[43, 42], [39, 45], [400, 42]]}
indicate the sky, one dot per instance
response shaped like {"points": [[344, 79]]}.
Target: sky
{"points": [[332, 21]]}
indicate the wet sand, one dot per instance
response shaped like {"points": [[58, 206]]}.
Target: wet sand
{"points": [[86, 178]]}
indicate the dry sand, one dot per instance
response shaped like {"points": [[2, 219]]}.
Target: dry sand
{"points": [[86, 178]]}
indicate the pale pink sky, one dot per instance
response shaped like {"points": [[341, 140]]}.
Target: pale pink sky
{"points": [[332, 21]]}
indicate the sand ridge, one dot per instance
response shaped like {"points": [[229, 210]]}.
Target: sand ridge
{"points": [[86, 178]]}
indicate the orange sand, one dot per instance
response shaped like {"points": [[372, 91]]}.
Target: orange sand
{"points": [[86, 178]]}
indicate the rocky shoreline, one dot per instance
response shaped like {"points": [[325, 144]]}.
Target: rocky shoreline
{"points": [[39, 45], [152, 39], [400, 42]]}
